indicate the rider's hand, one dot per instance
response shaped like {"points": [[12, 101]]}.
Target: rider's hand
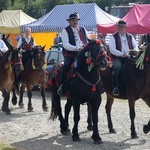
{"points": [[81, 48], [125, 55]]}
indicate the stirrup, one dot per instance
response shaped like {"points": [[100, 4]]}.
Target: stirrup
{"points": [[60, 91], [116, 92]]}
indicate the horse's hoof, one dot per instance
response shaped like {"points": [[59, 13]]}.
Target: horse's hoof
{"points": [[8, 112], [99, 141], [30, 109], [21, 105], [90, 128], [146, 129], [76, 139], [65, 132], [134, 136], [45, 109], [14, 102], [3, 109], [112, 131]]}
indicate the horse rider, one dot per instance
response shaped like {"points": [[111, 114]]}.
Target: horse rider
{"points": [[74, 38], [120, 44], [26, 42], [3, 47]]}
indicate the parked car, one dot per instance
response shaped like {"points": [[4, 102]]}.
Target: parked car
{"points": [[53, 56]]}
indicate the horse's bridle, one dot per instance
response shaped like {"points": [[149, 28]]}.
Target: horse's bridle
{"points": [[38, 61], [10, 60]]}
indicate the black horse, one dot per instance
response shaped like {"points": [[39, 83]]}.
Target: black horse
{"points": [[134, 84], [83, 85]]}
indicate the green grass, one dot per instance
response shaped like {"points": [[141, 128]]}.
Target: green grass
{"points": [[6, 147]]}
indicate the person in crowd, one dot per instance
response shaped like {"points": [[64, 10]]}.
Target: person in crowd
{"points": [[3, 47], [26, 42], [120, 45], [74, 38], [57, 40]]}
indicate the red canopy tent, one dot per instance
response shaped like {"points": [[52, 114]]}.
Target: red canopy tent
{"points": [[138, 21]]}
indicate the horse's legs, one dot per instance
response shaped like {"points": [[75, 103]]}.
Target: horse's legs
{"points": [[14, 97], [76, 108], [29, 94], [57, 111], [146, 128], [67, 111], [44, 104], [108, 107], [95, 106], [131, 102], [89, 118], [5, 105], [22, 89]]}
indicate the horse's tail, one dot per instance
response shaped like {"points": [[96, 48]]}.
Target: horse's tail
{"points": [[55, 100]]}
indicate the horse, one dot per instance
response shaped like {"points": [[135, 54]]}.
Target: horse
{"points": [[11, 60], [34, 73], [83, 85], [134, 84], [6, 40]]}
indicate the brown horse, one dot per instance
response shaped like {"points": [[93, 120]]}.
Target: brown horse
{"points": [[135, 84], [11, 60], [34, 73]]}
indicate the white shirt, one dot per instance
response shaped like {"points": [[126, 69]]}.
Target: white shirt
{"points": [[27, 40], [124, 45], [65, 39], [3, 46]]}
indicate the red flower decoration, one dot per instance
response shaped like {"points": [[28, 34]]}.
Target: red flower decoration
{"points": [[93, 88], [74, 75], [88, 60], [11, 62], [72, 65], [99, 42], [146, 59], [50, 82]]}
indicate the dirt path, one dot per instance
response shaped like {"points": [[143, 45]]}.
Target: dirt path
{"points": [[33, 131]]}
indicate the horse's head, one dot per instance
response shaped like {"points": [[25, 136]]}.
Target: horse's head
{"points": [[6, 40], [96, 54], [15, 59], [38, 55]]}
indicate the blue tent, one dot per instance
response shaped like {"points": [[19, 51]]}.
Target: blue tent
{"points": [[91, 15]]}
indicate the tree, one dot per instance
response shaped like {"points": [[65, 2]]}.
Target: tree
{"points": [[5, 4]]}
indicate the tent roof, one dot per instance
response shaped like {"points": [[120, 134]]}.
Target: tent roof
{"points": [[55, 20], [11, 20], [138, 20]]}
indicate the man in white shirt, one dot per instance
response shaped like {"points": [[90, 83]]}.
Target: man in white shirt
{"points": [[3, 47], [74, 38], [120, 43]]}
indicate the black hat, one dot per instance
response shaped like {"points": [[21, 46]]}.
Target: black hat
{"points": [[121, 23], [73, 16]]}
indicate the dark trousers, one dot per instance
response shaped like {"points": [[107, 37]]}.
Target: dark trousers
{"points": [[25, 57], [117, 66], [67, 64]]}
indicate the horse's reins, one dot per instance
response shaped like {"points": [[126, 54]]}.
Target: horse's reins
{"points": [[87, 82]]}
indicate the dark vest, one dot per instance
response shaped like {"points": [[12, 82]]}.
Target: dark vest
{"points": [[118, 41], [26, 45], [72, 41]]}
